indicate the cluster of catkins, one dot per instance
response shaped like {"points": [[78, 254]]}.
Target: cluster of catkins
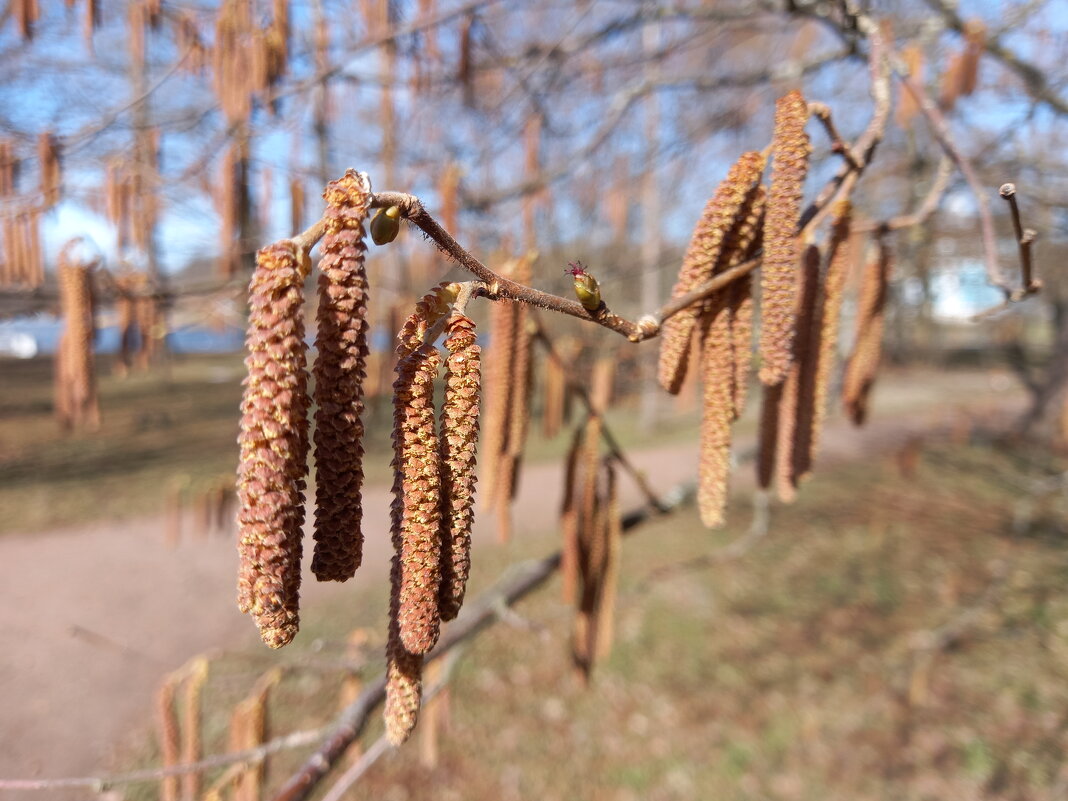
{"points": [[434, 454], [801, 292], [592, 531]]}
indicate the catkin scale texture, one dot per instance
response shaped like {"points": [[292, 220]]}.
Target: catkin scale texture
{"points": [[733, 200], [274, 446], [717, 413], [340, 368], [457, 442], [778, 279], [404, 673], [417, 501]]}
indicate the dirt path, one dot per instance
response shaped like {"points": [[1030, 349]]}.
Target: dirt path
{"points": [[96, 615]]}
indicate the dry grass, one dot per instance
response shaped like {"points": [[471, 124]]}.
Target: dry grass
{"points": [[790, 674]]}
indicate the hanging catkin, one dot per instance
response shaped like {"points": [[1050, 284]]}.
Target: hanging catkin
{"points": [[732, 202], [191, 723], [779, 270], [717, 412], [248, 729], [612, 534], [274, 445], [339, 370], [569, 520], [48, 157], [459, 435], [404, 677], [75, 385], [554, 389], [417, 502], [830, 312], [864, 361], [169, 743], [499, 390], [795, 408], [768, 434], [745, 240]]}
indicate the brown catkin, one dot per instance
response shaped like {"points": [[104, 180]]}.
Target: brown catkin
{"points": [[864, 361], [191, 723], [731, 203], [830, 311], [459, 436], [795, 408], [768, 434], [169, 744], [48, 156], [274, 446], [778, 283], [340, 368], [404, 689], [717, 412], [248, 729], [417, 501], [613, 537], [569, 520], [554, 389], [520, 381], [498, 401], [77, 404]]}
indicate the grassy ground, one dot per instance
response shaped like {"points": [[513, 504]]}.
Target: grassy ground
{"points": [[172, 428], [900, 634], [175, 429]]}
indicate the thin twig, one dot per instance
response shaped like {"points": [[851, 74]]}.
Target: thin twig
{"points": [[1024, 239], [100, 783], [542, 337], [382, 746], [940, 129], [822, 112], [475, 617]]}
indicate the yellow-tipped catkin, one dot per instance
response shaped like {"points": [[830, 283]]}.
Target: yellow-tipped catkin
{"points": [[274, 446], [340, 368], [795, 408], [404, 691], [457, 442], [417, 502], [830, 312], [867, 349], [731, 203], [717, 412], [742, 244], [779, 270]]}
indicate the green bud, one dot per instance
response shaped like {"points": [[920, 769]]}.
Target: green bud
{"points": [[386, 225], [587, 291]]}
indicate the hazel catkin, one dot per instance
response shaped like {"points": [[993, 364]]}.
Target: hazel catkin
{"points": [[417, 501], [340, 368], [274, 446], [778, 282], [457, 442], [733, 200], [864, 361]]}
